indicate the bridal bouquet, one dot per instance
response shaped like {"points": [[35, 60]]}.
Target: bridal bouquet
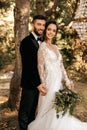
{"points": [[66, 100]]}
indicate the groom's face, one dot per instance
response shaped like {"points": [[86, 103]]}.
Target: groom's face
{"points": [[39, 26]]}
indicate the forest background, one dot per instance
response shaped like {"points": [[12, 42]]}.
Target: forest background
{"points": [[15, 24]]}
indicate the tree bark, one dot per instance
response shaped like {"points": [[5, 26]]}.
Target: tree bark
{"points": [[21, 21]]}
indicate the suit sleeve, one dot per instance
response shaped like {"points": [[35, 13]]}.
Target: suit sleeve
{"points": [[29, 62]]}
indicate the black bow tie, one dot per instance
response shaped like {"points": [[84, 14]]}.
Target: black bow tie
{"points": [[39, 39]]}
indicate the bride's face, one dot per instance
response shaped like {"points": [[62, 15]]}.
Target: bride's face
{"points": [[51, 31]]}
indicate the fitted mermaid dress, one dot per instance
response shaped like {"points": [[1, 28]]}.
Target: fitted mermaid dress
{"points": [[52, 73]]}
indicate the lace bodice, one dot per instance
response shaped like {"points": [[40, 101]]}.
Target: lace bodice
{"points": [[50, 61]]}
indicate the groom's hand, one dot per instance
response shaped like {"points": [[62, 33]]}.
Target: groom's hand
{"points": [[42, 89]]}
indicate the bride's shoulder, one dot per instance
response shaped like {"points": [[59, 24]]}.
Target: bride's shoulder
{"points": [[42, 46], [57, 48], [43, 43]]}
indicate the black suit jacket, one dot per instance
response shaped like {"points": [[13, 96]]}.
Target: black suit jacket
{"points": [[28, 48]]}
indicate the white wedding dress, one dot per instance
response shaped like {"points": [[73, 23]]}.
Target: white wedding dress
{"points": [[52, 73]]}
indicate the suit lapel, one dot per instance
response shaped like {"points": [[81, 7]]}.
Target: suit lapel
{"points": [[34, 41]]}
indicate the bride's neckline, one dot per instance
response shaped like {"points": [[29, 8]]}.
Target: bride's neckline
{"points": [[49, 46]]}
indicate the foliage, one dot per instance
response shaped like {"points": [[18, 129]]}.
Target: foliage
{"points": [[65, 100], [7, 57], [5, 5], [66, 8], [65, 43], [7, 46], [64, 12]]}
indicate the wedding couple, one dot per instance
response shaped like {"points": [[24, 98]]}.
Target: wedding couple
{"points": [[42, 75]]}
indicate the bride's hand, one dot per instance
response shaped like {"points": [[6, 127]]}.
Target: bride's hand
{"points": [[42, 89], [70, 85]]}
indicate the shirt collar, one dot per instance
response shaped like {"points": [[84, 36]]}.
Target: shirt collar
{"points": [[35, 35]]}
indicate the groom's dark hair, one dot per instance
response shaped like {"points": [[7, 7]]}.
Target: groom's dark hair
{"points": [[41, 17]]}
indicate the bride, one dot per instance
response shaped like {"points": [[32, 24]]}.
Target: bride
{"points": [[52, 73]]}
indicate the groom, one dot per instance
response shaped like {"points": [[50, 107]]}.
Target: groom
{"points": [[30, 81]]}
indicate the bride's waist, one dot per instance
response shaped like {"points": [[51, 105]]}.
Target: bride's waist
{"points": [[53, 71]]}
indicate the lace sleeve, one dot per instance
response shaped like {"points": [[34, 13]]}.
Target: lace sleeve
{"points": [[41, 65], [64, 74]]}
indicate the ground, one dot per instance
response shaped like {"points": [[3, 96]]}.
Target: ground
{"points": [[8, 119]]}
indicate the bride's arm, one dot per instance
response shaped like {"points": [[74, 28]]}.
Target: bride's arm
{"points": [[41, 70], [65, 78], [41, 67]]}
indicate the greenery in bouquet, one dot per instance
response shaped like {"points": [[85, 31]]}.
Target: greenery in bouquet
{"points": [[66, 100]]}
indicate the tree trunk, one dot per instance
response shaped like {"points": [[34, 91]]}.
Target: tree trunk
{"points": [[21, 21]]}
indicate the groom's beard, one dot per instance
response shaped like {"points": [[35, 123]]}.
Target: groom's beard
{"points": [[36, 32]]}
